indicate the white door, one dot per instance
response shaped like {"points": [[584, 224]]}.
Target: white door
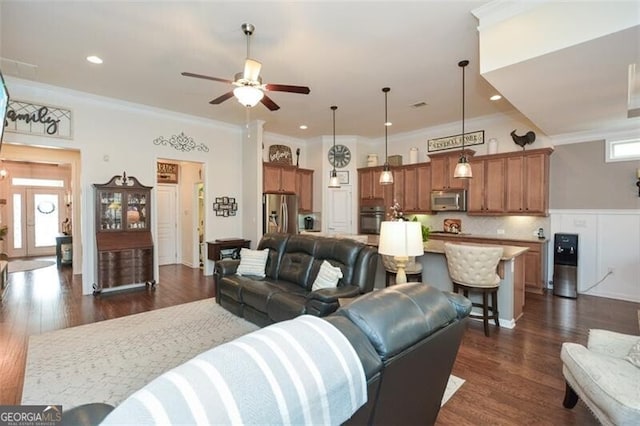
{"points": [[339, 220], [167, 225], [36, 219]]}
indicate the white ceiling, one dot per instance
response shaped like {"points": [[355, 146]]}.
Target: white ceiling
{"points": [[344, 51]]}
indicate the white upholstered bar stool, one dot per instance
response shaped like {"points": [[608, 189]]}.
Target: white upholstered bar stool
{"points": [[474, 269], [413, 270]]}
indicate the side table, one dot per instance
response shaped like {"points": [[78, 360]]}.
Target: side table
{"points": [[215, 248]]}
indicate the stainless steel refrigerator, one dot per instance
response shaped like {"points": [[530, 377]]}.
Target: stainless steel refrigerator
{"points": [[280, 213]]}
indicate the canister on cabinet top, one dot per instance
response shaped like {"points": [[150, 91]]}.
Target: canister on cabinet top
{"points": [[413, 155], [372, 160]]}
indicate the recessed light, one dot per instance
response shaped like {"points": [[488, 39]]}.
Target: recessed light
{"points": [[94, 59], [303, 127], [495, 97]]}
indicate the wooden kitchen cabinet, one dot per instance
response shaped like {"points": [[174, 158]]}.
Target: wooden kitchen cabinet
{"points": [[123, 235], [486, 194], [527, 182], [278, 178], [304, 189], [442, 168], [416, 194], [369, 187]]}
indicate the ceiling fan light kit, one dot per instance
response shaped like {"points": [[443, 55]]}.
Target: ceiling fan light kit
{"points": [[250, 89], [463, 168], [248, 96], [334, 182], [386, 177]]}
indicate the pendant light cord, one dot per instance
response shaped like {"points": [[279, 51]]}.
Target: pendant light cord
{"points": [[334, 108], [463, 65], [386, 125]]}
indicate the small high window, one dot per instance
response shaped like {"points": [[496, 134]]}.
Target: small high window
{"points": [[623, 150]]}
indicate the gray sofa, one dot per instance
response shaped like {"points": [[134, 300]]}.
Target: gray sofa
{"points": [[406, 338], [292, 266]]}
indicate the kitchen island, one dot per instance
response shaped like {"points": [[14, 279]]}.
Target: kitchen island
{"points": [[510, 269], [435, 272]]}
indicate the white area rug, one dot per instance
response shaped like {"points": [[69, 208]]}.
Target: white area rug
{"points": [[108, 360], [28, 265]]}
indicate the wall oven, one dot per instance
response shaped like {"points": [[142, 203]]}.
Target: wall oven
{"points": [[370, 219]]}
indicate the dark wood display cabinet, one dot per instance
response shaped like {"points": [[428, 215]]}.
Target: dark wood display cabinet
{"points": [[123, 235]]}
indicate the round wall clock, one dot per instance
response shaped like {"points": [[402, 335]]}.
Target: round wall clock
{"points": [[339, 156]]}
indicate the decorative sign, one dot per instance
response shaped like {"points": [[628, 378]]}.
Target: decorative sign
{"points": [[38, 119], [181, 142], [450, 142], [280, 154], [342, 175], [225, 206], [167, 173]]}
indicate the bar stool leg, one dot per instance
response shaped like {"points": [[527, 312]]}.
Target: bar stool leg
{"points": [[485, 313], [494, 304]]}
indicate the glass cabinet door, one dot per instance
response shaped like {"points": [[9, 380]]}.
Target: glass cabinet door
{"points": [[137, 217], [110, 209]]}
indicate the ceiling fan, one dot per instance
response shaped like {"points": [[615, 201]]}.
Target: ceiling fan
{"points": [[249, 89]]}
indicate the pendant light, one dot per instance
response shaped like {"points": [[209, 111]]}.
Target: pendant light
{"points": [[333, 181], [463, 168], [386, 177]]}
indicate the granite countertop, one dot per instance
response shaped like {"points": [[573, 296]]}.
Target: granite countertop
{"points": [[437, 246], [449, 235], [510, 252]]}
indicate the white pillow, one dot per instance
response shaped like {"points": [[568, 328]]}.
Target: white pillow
{"points": [[252, 262], [328, 277]]}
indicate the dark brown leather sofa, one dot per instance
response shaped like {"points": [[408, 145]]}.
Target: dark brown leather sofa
{"points": [[407, 338], [292, 266]]}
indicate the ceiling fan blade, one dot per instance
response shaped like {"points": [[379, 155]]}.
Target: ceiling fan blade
{"points": [[252, 69], [206, 77], [221, 99], [268, 102], [287, 88]]}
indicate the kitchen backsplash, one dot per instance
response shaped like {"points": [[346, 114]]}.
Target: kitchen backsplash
{"points": [[504, 226]]}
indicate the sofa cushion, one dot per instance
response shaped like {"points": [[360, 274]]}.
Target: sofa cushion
{"points": [[327, 277], [257, 293], [275, 243], [285, 306], [401, 320], [252, 262], [295, 266], [342, 253]]}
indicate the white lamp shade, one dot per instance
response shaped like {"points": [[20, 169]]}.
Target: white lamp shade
{"points": [[463, 170], [386, 177], [401, 239], [248, 96]]}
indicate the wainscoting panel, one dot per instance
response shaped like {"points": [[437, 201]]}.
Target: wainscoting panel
{"points": [[609, 240]]}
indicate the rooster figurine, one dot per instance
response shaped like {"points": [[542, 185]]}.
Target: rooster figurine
{"points": [[527, 139]]}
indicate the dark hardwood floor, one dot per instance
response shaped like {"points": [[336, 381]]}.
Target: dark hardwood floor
{"points": [[513, 377]]}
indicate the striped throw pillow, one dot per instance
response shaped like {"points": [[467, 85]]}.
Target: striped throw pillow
{"points": [[252, 262], [328, 277]]}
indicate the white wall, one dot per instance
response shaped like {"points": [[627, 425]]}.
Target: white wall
{"points": [[607, 239], [115, 136]]}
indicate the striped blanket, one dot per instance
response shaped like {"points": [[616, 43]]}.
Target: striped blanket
{"points": [[302, 371]]}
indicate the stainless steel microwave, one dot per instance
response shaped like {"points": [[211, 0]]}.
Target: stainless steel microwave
{"points": [[449, 200]]}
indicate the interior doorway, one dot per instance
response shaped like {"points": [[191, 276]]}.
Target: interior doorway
{"points": [[36, 207], [167, 224], [180, 213]]}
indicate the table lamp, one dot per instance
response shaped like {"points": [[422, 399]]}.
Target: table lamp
{"points": [[401, 239]]}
